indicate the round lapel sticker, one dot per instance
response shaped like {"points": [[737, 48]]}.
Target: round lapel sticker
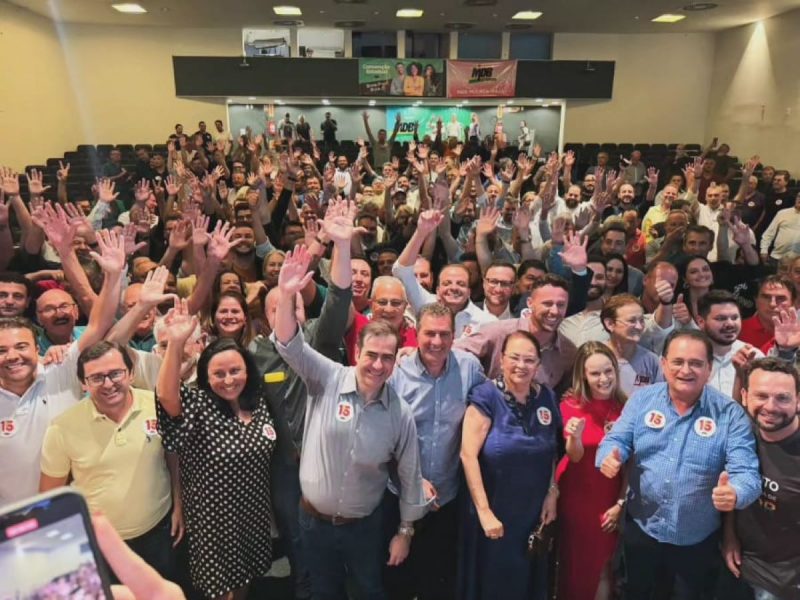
{"points": [[269, 432], [344, 411], [705, 427], [655, 419], [8, 427], [544, 415]]}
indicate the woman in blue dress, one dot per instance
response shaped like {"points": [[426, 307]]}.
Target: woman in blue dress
{"points": [[509, 450]]}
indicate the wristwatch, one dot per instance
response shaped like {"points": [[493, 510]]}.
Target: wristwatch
{"points": [[406, 530]]}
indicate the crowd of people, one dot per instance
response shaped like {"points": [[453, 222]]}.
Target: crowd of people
{"points": [[460, 373]]}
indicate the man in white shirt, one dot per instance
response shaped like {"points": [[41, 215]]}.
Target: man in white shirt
{"points": [[718, 316], [784, 231]]}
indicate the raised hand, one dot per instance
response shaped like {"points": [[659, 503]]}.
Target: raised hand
{"points": [[200, 235], [487, 222], [611, 464], [787, 329], [537, 151], [741, 358], [750, 166], [141, 192], [172, 185], [180, 323], [36, 186], [105, 191], [742, 234], [63, 171], [180, 236], [338, 221], [664, 290], [574, 427], [57, 227], [294, 275], [10, 181], [428, 221], [522, 220], [724, 494], [112, 251], [652, 176], [129, 237], [220, 243], [569, 159], [152, 292], [574, 255]]}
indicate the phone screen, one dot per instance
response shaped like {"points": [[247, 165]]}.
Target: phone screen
{"points": [[48, 550]]}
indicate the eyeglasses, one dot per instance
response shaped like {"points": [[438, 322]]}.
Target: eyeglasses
{"points": [[632, 322], [114, 376], [526, 361], [49, 311], [499, 283], [384, 302]]}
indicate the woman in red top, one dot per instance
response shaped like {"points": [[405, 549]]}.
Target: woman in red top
{"points": [[590, 505]]}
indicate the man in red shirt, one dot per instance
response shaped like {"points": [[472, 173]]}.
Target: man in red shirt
{"points": [[388, 303], [775, 293]]}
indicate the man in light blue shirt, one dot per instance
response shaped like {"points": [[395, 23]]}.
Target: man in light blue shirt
{"points": [[693, 456], [435, 381]]}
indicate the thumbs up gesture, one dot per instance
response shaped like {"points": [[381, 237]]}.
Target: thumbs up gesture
{"points": [[612, 464], [724, 494], [575, 427], [681, 312]]}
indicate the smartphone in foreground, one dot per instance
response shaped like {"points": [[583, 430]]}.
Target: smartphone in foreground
{"points": [[48, 550]]}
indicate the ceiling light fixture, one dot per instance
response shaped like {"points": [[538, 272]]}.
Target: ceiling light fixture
{"points": [[527, 15], [668, 18], [326, 102], [371, 102], [129, 8], [287, 10], [409, 13]]}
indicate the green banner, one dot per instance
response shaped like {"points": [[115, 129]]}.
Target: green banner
{"points": [[408, 78], [427, 117]]}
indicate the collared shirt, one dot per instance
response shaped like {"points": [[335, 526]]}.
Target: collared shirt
{"points": [[44, 343], [678, 461], [408, 335], [784, 231], [468, 319], [754, 333], [119, 467], [24, 420], [641, 370], [348, 445], [586, 326], [487, 343], [438, 404], [722, 370]]}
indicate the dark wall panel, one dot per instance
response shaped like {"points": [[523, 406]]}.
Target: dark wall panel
{"points": [[338, 77]]}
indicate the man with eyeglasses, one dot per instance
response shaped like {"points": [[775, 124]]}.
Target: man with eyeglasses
{"points": [[623, 318], [57, 312], [388, 303], [32, 394], [692, 457], [498, 285], [109, 445]]}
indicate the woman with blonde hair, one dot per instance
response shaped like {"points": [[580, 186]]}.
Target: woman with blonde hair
{"points": [[590, 504]]}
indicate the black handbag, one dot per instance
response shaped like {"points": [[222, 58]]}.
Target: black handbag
{"points": [[540, 541]]}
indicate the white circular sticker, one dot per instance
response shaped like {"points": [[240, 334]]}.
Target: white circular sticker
{"points": [[778, 202], [655, 419], [344, 411], [269, 432], [544, 415], [705, 427], [751, 204], [8, 427], [151, 426]]}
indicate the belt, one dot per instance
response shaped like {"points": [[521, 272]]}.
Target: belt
{"points": [[333, 520]]}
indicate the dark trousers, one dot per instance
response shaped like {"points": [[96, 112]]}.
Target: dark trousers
{"points": [[286, 504], [429, 572], [335, 552], [649, 563], [155, 548]]}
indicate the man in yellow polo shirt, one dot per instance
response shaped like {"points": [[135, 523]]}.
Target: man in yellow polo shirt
{"points": [[109, 445]]}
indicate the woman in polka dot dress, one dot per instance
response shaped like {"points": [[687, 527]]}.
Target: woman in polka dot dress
{"points": [[224, 436]]}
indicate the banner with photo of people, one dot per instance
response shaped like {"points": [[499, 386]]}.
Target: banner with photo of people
{"points": [[454, 121], [411, 78], [484, 79]]}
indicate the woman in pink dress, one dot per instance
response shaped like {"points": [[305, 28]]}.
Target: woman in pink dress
{"points": [[590, 505]]}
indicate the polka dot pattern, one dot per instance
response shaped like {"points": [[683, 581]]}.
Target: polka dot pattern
{"points": [[225, 479]]}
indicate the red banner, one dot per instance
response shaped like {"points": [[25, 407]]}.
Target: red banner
{"points": [[485, 79]]}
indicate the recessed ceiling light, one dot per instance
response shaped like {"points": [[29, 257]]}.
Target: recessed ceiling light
{"points": [[372, 102], [466, 101], [326, 102], [130, 8], [698, 6], [668, 18], [251, 97], [528, 15], [409, 13], [510, 102], [229, 101], [540, 100], [287, 10]]}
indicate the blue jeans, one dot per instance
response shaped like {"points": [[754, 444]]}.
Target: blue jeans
{"points": [[336, 552], [285, 503]]}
